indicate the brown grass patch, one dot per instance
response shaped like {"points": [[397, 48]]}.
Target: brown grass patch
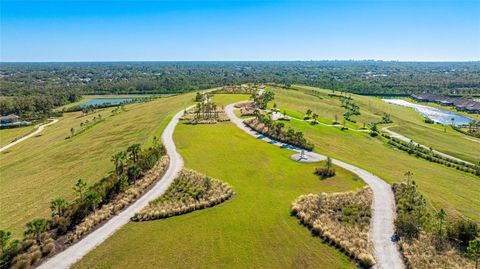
{"points": [[342, 219]]}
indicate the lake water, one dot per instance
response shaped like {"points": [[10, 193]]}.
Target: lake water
{"points": [[101, 101], [438, 115]]}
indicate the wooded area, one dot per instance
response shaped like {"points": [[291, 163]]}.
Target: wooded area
{"points": [[54, 84]]}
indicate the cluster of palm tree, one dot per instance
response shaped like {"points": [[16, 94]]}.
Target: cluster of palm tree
{"points": [[206, 110], [265, 125]]}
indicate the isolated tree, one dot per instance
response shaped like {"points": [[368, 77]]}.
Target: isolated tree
{"points": [[315, 117], [72, 132], [58, 206], [4, 239], [275, 106], [80, 187], [134, 150], [309, 112], [36, 228], [473, 251]]}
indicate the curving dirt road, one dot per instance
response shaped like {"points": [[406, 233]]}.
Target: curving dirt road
{"points": [[39, 129], [383, 207], [75, 252], [406, 139]]}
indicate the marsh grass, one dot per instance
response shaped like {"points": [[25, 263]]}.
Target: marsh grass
{"points": [[190, 191], [341, 219]]}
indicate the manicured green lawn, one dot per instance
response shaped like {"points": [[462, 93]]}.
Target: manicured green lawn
{"points": [[445, 187], [9, 135], [46, 166], [253, 230], [406, 120]]}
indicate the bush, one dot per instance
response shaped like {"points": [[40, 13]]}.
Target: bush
{"points": [[463, 231], [325, 172], [35, 256]]}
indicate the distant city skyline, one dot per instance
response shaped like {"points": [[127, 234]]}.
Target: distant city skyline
{"points": [[64, 31]]}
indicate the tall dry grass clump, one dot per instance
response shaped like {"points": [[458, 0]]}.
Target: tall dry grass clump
{"points": [[121, 201], [190, 191], [424, 253], [341, 219]]}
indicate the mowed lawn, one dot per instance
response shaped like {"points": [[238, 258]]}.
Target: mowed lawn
{"points": [[46, 166], [253, 230], [9, 135], [444, 187], [406, 120]]}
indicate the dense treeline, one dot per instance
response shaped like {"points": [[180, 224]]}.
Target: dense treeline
{"points": [[54, 84], [366, 77]]}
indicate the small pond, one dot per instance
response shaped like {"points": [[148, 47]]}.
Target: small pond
{"points": [[438, 115], [102, 101]]}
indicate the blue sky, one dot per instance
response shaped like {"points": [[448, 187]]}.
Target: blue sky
{"points": [[441, 30]]}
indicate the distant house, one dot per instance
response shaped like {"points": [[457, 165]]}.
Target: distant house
{"points": [[9, 119]]}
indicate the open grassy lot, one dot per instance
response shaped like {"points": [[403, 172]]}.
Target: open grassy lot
{"points": [[406, 121], [253, 230], [445, 187], [9, 135], [46, 166]]}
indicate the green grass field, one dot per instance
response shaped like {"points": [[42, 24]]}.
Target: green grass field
{"points": [[406, 121], [445, 187], [46, 166], [9, 135], [253, 230]]}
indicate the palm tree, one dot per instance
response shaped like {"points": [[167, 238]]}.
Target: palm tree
{"points": [[309, 112], [118, 160], [279, 127], [36, 228], [94, 199], [58, 206], [409, 175], [80, 187], [134, 150]]}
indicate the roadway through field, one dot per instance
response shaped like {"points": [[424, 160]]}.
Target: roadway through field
{"points": [[72, 254], [40, 129], [386, 252]]}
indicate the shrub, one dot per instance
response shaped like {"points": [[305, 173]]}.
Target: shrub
{"points": [[35, 256], [325, 172], [21, 261]]}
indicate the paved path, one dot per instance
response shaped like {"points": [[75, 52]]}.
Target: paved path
{"points": [[75, 252], [39, 129], [406, 139], [471, 139], [383, 207]]}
